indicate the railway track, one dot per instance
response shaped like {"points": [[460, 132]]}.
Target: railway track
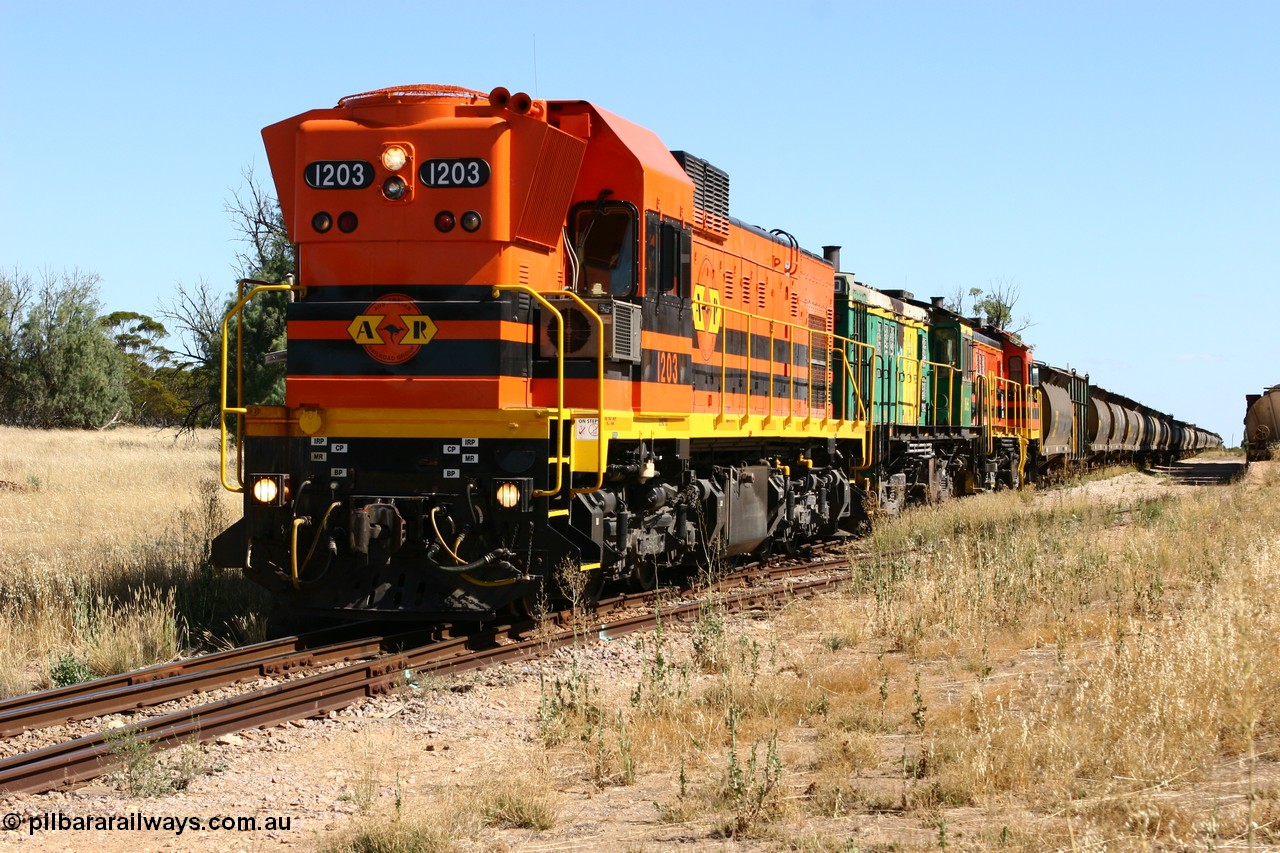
{"points": [[1202, 472], [174, 680], [359, 666]]}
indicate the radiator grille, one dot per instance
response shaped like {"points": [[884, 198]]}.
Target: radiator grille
{"points": [[625, 345], [710, 193], [553, 178]]}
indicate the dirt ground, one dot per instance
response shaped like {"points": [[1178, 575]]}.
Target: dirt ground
{"points": [[324, 776]]}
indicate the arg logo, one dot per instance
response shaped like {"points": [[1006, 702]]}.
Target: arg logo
{"points": [[707, 316], [392, 330]]}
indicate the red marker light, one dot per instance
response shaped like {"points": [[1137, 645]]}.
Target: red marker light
{"points": [[445, 221]]}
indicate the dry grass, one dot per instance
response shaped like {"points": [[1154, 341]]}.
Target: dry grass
{"points": [[1019, 671], [396, 816], [437, 823], [103, 546], [1015, 671]]}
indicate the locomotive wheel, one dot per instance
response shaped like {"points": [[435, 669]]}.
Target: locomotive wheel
{"points": [[586, 590], [531, 605], [595, 586], [537, 602], [644, 576]]}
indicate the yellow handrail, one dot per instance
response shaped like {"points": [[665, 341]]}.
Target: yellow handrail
{"points": [[983, 380], [927, 405], [837, 344], [793, 336], [542, 299], [240, 410], [600, 442], [1022, 407], [863, 408]]}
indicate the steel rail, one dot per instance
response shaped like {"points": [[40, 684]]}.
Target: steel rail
{"points": [[92, 755], [139, 683], [175, 682], [85, 758], [163, 682], [210, 660]]}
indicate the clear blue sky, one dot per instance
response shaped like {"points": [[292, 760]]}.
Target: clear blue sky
{"points": [[1116, 161]]}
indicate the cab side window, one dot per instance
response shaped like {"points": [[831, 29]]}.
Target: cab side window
{"points": [[668, 257], [1016, 371], [605, 241], [949, 354]]}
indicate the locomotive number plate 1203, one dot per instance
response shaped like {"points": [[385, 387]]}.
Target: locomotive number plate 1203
{"points": [[455, 172], [339, 174]]}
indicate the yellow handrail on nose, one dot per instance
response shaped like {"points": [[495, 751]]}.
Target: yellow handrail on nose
{"points": [[239, 411]]}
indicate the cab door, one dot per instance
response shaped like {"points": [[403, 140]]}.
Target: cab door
{"points": [[909, 376], [854, 367], [887, 336]]}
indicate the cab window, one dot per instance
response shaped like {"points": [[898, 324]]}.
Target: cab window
{"points": [[949, 354], [668, 256], [604, 238]]}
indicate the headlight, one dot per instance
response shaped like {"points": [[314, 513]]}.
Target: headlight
{"points": [[508, 495], [270, 489], [513, 494], [393, 158]]}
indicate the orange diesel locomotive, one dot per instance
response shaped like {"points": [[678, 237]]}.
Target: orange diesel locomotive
{"points": [[525, 337]]}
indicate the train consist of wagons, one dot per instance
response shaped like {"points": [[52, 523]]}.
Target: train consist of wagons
{"points": [[527, 341]]}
